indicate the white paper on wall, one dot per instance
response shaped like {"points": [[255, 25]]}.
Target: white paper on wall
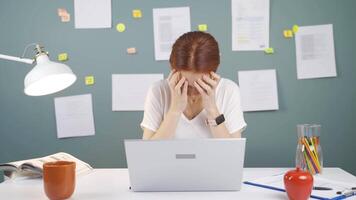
{"points": [[168, 25], [315, 52], [250, 25], [92, 14], [258, 90], [129, 90], [74, 116]]}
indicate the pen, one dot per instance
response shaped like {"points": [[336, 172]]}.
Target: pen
{"points": [[347, 194], [321, 188], [340, 192]]}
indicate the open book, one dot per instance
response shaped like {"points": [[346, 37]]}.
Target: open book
{"points": [[32, 168]]}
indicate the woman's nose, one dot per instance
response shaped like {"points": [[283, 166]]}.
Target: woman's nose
{"points": [[191, 83]]}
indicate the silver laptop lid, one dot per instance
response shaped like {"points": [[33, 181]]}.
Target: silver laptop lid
{"points": [[185, 165]]}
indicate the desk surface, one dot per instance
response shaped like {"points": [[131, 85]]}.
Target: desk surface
{"points": [[114, 184]]}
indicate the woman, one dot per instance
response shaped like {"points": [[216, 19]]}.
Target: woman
{"points": [[194, 102]]}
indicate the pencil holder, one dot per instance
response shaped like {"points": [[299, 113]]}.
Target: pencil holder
{"points": [[309, 155]]}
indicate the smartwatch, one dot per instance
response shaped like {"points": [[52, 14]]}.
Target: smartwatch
{"points": [[217, 121]]}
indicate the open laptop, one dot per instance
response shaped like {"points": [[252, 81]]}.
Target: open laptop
{"points": [[185, 165]]}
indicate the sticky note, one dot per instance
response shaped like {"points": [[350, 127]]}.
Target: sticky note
{"points": [[288, 33], [136, 13], [62, 57], [61, 12], [131, 50], [295, 28], [89, 80], [120, 27], [65, 18], [202, 27], [269, 50]]}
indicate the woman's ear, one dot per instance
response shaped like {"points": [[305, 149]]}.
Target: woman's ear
{"points": [[210, 74], [179, 75]]}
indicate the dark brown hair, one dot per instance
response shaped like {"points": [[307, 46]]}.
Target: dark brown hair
{"points": [[195, 51]]}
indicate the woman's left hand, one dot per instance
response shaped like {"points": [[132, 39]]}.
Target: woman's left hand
{"points": [[206, 87]]}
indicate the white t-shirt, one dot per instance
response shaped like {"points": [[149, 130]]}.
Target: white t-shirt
{"points": [[228, 103]]}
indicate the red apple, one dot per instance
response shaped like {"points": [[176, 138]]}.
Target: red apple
{"points": [[298, 184]]}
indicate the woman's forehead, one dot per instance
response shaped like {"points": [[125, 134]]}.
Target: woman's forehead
{"points": [[192, 74]]}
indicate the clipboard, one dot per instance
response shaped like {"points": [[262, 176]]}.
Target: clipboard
{"points": [[276, 183]]}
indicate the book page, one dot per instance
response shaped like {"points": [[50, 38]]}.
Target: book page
{"points": [[35, 165], [81, 167]]}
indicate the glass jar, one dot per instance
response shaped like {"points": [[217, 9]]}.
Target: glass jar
{"points": [[309, 155]]}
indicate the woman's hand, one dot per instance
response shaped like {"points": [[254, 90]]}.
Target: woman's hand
{"points": [[178, 86], [206, 87]]}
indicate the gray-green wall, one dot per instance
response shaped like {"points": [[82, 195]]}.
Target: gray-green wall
{"points": [[27, 124]]}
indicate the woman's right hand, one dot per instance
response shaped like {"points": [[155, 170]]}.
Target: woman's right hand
{"points": [[178, 86]]}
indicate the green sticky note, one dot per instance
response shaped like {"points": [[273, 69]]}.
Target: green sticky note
{"points": [[120, 27], [62, 56], [295, 28], [269, 50], [202, 27], [89, 80]]}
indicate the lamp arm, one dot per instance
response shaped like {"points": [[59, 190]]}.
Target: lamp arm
{"points": [[22, 59], [18, 59]]}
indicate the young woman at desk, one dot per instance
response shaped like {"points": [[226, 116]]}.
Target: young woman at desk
{"points": [[193, 102]]}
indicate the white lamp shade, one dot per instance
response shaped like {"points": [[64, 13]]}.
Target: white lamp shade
{"points": [[48, 77]]}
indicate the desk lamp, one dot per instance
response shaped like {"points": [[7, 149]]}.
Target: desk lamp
{"points": [[46, 77]]}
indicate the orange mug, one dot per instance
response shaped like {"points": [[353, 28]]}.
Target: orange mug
{"points": [[59, 179]]}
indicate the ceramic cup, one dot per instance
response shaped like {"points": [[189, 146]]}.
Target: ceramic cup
{"points": [[59, 179]]}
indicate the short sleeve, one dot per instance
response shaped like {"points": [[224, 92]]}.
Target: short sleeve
{"points": [[234, 119], [153, 109]]}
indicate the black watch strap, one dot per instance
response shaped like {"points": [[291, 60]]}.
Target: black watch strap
{"points": [[217, 121]]}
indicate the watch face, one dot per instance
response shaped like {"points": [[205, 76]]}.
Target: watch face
{"points": [[215, 122], [220, 119]]}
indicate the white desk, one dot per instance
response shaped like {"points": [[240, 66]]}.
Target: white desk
{"points": [[114, 184]]}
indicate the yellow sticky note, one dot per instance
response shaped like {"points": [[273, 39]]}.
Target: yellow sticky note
{"points": [[62, 56], [288, 33], [120, 27], [89, 80], [269, 50], [295, 28], [202, 27], [136, 13]]}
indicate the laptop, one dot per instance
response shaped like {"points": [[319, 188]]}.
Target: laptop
{"points": [[185, 165]]}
